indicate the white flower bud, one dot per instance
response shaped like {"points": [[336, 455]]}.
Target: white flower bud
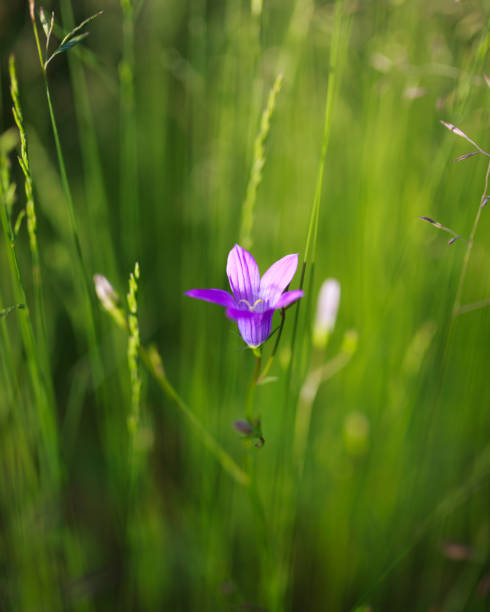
{"points": [[105, 292], [326, 313]]}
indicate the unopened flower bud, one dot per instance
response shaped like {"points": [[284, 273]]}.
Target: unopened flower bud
{"points": [[326, 313], [109, 299], [105, 292], [243, 427]]}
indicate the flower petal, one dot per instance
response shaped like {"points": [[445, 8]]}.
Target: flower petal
{"points": [[243, 274], [277, 278], [255, 327], [288, 298], [216, 296], [237, 313]]}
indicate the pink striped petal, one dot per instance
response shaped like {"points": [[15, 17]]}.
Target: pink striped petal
{"points": [[237, 313], [277, 278], [256, 329], [216, 296], [243, 274], [288, 298]]}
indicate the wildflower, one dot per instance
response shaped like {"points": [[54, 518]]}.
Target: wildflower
{"points": [[328, 304], [254, 299]]}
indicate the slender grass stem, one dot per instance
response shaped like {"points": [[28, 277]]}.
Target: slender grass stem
{"points": [[258, 163], [64, 177], [311, 237], [24, 162], [270, 361], [61, 161], [308, 263], [251, 389], [96, 196], [308, 395], [473, 306], [129, 140], [44, 407], [469, 247], [78, 256], [134, 345]]}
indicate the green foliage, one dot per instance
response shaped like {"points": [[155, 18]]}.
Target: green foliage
{"points": [[358, 479], [257, 166], [133, 349]]}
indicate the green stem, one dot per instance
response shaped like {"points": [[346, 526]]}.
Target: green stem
{"points": [[129, 139], [311, 237], [24, 161], [102, 255], [85, 283], [44, 409], [270, 361], [61, 161], [251, 389], [469, 247]]}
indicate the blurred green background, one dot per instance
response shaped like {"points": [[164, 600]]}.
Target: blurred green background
{"points": [[157, 112]]}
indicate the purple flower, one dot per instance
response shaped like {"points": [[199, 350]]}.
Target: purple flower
{"points": [[254, 299]]}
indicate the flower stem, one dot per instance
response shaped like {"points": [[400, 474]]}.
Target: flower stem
{"points": [[252, 386], [270, 361]]}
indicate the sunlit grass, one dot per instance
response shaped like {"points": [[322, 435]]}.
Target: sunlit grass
{"points": [[163, 139]]}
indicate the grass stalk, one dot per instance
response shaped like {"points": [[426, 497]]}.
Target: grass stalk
{"points": [[312, 233], [258, 163], [24, 162], [289, 501], [45, 409], [128, 131], [134, 346], [86, 294], [251, 389], [96, 196], [469, 246]]}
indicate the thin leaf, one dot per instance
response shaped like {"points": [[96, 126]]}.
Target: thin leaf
{"points": [[79, 27], [18, 222], [9, 197], [444, 228], [68, 45], [466, 155], [455, 130]]}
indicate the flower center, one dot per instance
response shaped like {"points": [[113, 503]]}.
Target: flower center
{"points": [[253, 306]]}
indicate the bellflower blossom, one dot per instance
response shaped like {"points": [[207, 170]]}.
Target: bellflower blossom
{"points": [[254, 299]]}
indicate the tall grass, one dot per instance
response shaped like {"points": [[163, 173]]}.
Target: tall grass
{"points": [[163, 138]]}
